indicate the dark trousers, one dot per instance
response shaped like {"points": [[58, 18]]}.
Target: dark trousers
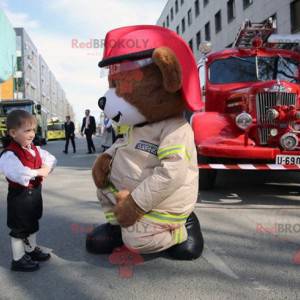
{"points": [[72, 138], [89, 140], [24, 209]]}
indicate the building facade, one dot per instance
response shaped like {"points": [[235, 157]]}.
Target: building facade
{"points": [[33, 80], [218, 21]]}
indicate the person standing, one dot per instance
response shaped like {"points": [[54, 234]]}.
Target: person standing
{"points": [[108, 133], [70, 134], [24, 166], [89, 128]]}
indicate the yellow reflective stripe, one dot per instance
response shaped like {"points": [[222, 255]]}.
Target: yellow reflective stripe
{"points": [[175, 149], [178, 235], [166, 218], [170, 148], [112, 188], [171, 152], [110, 216]]}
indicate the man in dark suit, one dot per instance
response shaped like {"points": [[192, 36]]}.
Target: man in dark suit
{"points": [[70, 134], [89, 128]]}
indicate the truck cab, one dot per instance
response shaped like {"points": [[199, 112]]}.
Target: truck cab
{"points": [[33, 108], [251, 119]]}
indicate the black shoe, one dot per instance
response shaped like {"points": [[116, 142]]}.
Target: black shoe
{"points": [[192, 248], [64, 151], [104, 239], [38, 255], [89, 152], [74, 151], [25, 264]]}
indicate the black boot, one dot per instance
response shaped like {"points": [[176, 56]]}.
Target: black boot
{"points": [[104, 239], [25, 264], [192, 248], [38, 255]]}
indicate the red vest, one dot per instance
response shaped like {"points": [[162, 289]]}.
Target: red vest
{"points": [[28, 161]]}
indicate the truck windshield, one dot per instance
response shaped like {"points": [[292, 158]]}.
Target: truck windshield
{"points": [[6, 109], [256, 68], [55, 127]]}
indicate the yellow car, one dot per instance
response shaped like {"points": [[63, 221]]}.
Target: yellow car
{"points": [[56, 131]]}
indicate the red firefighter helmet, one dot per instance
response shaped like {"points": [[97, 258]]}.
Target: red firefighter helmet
{"points": [[138, 42]]}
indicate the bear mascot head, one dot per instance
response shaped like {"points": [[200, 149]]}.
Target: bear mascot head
{"points": [[148, 179]]}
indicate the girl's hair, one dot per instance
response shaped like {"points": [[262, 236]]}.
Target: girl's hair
{"points": [[17, 118]]}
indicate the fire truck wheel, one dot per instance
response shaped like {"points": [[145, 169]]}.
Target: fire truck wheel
{"points": [[207, 178]]}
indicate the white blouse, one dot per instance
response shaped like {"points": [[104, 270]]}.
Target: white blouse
{"points": [[15, 171]]}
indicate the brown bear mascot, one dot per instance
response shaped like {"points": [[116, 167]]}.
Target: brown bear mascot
{"points": [[148, 180]]}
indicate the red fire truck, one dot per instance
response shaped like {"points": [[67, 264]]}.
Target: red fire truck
{"points": [[251, 119]]}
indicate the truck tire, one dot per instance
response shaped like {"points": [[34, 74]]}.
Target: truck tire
{"points": [[207, 177]]}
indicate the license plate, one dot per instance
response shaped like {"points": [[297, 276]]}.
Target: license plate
{"points": [[288, 159]]}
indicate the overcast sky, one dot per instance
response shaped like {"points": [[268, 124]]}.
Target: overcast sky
{"points": [[53, 25]]}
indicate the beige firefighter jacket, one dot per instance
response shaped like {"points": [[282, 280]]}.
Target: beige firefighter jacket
{"points": [[157, 163]]}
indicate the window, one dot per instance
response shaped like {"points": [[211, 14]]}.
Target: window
{"points": [[183, 25], [198, 39], [295, 16], [190, 17], [197, 8], [172, 13], [177, 29], [247, 3], [191, 45], [205, 2], [168, 21], [218, 21], [253, 69], [230, 10], [176, 6], [207, 31]]}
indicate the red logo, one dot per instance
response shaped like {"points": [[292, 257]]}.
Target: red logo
{"points": [[126, 259]]}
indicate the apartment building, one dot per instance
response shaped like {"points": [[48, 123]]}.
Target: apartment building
{"points": [[218, 21]]}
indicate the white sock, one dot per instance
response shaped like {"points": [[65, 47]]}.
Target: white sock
{"points": [[17, 248], [31, 243]]}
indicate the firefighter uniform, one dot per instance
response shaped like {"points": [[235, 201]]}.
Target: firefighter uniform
{"points": [[157, 163]]}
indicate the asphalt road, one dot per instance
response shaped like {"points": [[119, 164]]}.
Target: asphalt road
{"points": [[250, 222]]}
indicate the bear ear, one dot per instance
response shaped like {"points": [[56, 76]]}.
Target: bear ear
{"points": [[170, 68]]}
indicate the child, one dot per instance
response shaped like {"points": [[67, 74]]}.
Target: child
{"points": [[24, 166]]}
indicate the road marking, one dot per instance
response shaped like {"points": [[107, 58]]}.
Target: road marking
{"points": [[217, 262]]}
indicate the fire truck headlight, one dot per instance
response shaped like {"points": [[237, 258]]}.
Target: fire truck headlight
{"points": [[243, 120], [289, 141], [273, 132]]}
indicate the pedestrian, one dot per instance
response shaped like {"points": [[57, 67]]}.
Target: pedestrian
{"points": [[108, 135], [25, 166], [89, 128], [70, 134]]}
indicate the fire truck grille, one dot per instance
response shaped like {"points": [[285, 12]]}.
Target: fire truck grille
{"points": [[264, 101]]}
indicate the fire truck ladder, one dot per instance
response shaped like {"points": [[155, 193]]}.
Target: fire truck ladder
{"points": [[249, 30]]}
